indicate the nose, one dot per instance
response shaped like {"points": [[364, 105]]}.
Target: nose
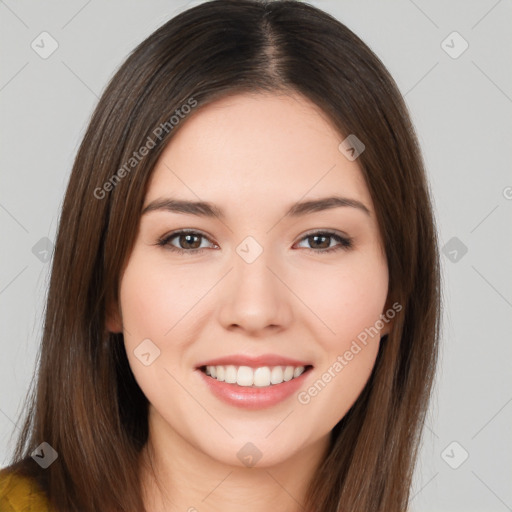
{"points": [[255, 298]]}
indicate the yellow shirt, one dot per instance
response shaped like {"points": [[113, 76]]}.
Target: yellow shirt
{"points": [[21, 494]]}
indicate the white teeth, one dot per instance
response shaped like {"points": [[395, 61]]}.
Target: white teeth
{"points": [[245, 376], [288, 373], [276, 377], [263, 376], [230, 375], [298, 371]]}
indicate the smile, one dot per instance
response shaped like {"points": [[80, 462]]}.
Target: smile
{"points": [[261, 377], [255, 388]]}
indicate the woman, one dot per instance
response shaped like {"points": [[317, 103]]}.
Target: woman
{"points": [[244, 301]]}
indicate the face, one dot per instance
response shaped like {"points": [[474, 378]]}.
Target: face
{"points": [[252, 286]]}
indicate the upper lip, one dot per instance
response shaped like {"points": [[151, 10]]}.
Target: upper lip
{"points": [[254, 362]]}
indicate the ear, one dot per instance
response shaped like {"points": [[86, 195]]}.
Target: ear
{"points": [[114, 321], [387, 326], [388, 320]]}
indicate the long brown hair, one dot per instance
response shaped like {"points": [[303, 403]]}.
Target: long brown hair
{"points": [[87, 404]]}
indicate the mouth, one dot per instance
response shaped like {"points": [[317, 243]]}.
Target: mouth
{"points": [[254, 377], [254, 387]]}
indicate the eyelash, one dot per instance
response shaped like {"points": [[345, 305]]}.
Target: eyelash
{"points": [[345, 243]]}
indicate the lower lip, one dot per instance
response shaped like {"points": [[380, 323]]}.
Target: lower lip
{"points": [[248, 397]]}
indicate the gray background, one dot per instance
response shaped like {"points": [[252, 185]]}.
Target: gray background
{"points": [[462, 111]]}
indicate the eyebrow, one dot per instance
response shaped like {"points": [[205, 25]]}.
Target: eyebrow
{"points": [[206, 209]]}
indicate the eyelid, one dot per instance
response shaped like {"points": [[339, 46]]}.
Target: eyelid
{"points": [[346, 241], [165, 239], [330, 231]]}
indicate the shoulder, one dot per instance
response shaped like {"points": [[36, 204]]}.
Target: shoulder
{"points": [[19, 494]]}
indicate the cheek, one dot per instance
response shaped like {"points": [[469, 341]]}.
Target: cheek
{"points": [[348, 300], [156, 301], [350, 304]]}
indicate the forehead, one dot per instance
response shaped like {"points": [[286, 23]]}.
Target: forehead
{"points": [[276, 147]]}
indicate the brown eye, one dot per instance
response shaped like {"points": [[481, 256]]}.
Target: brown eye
{"points": [[320, 242], [183, 242], [189, 241]]}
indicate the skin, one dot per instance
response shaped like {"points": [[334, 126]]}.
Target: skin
{"points": [[253, 155]]}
